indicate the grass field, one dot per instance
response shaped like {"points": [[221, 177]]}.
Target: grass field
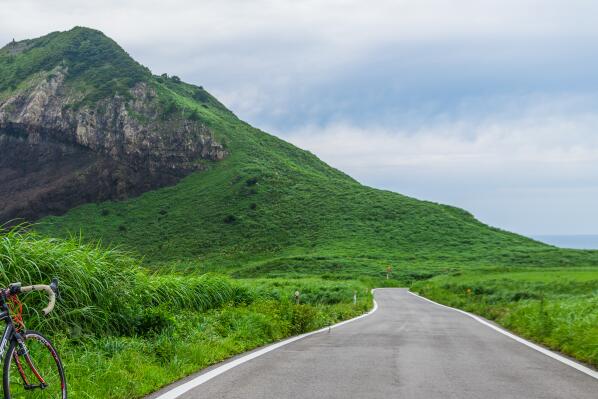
{"points": [[555, 307], [124, 332]]}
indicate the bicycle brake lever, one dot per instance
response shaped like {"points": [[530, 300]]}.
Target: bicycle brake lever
{"points": [[54, 287], [14, 288]]}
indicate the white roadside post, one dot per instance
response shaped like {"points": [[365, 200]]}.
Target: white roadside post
{"points": [[297, 297]]}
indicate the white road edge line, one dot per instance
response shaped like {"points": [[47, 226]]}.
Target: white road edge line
{"points": [[203, 378], [517, 338]]}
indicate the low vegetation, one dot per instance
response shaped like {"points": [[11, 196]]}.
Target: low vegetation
{"points": [[555, 307], [124, 332]]}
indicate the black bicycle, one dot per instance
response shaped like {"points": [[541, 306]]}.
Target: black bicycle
{"points": [[32, 367]]}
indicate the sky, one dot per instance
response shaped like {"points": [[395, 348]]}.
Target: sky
{"points": [[491, 106]]}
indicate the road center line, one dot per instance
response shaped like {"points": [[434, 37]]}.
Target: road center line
{"points": [[517, 338]]}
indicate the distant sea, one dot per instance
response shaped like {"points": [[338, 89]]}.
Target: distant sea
{"points": [[582, 241]]}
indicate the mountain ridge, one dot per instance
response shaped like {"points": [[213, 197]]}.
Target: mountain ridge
{"points": [[77, 96], [88, 54]]}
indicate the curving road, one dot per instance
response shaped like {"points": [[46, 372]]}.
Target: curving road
{"points": [[409, 348]]}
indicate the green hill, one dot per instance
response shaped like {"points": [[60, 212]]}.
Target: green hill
{"points": [[268, 207]]}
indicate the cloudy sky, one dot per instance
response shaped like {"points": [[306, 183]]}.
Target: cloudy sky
{"points": [[488, 105]]}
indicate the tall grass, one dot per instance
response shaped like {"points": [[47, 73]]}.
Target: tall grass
{"points": [[96, 285], [103, 291], [189, 292]]}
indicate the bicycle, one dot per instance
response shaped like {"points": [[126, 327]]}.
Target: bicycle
{"points": [[32, 367]]}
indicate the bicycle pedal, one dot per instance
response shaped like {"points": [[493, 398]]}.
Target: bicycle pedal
{"points": [[30, 387]]}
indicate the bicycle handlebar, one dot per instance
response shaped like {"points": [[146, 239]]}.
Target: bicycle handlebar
{"points": [[51, 290], [48, 290]]}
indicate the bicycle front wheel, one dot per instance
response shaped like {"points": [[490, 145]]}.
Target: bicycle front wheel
{"points": [[35, 371]]}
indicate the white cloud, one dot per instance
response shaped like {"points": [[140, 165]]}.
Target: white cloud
{"points": [[259, 55], [331, 20], [533, 171], [300, 35], [535, 138]]}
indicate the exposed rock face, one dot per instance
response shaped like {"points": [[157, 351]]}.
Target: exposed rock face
{"points": [[56, 154]]}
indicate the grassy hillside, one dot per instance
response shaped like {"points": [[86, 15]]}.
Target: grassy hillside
{"points": [[269, 207], [273, 208]]}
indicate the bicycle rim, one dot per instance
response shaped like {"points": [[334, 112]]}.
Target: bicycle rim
{"points": [[40, 376]]}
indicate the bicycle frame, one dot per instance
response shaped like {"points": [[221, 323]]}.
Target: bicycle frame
{"points": [[9, 332]]}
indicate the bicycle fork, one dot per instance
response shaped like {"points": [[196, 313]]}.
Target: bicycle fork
{"points": [[24, 352]]}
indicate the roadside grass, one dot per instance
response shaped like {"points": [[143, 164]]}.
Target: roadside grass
{"points": [[554, 307], [130, 367], [124, 331]]}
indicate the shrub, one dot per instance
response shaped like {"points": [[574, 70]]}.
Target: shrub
{"points": [[170, 108], [303, 318], [194, 115], [201, 96], [152, 321]]}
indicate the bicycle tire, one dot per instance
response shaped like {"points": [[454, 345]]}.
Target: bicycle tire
{"points": [[43, 352]]}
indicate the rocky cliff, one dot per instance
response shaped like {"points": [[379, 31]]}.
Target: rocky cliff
{"points": [[59, 150]]}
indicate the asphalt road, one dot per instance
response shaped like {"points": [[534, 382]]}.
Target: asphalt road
{"points": [[409, 348]]}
